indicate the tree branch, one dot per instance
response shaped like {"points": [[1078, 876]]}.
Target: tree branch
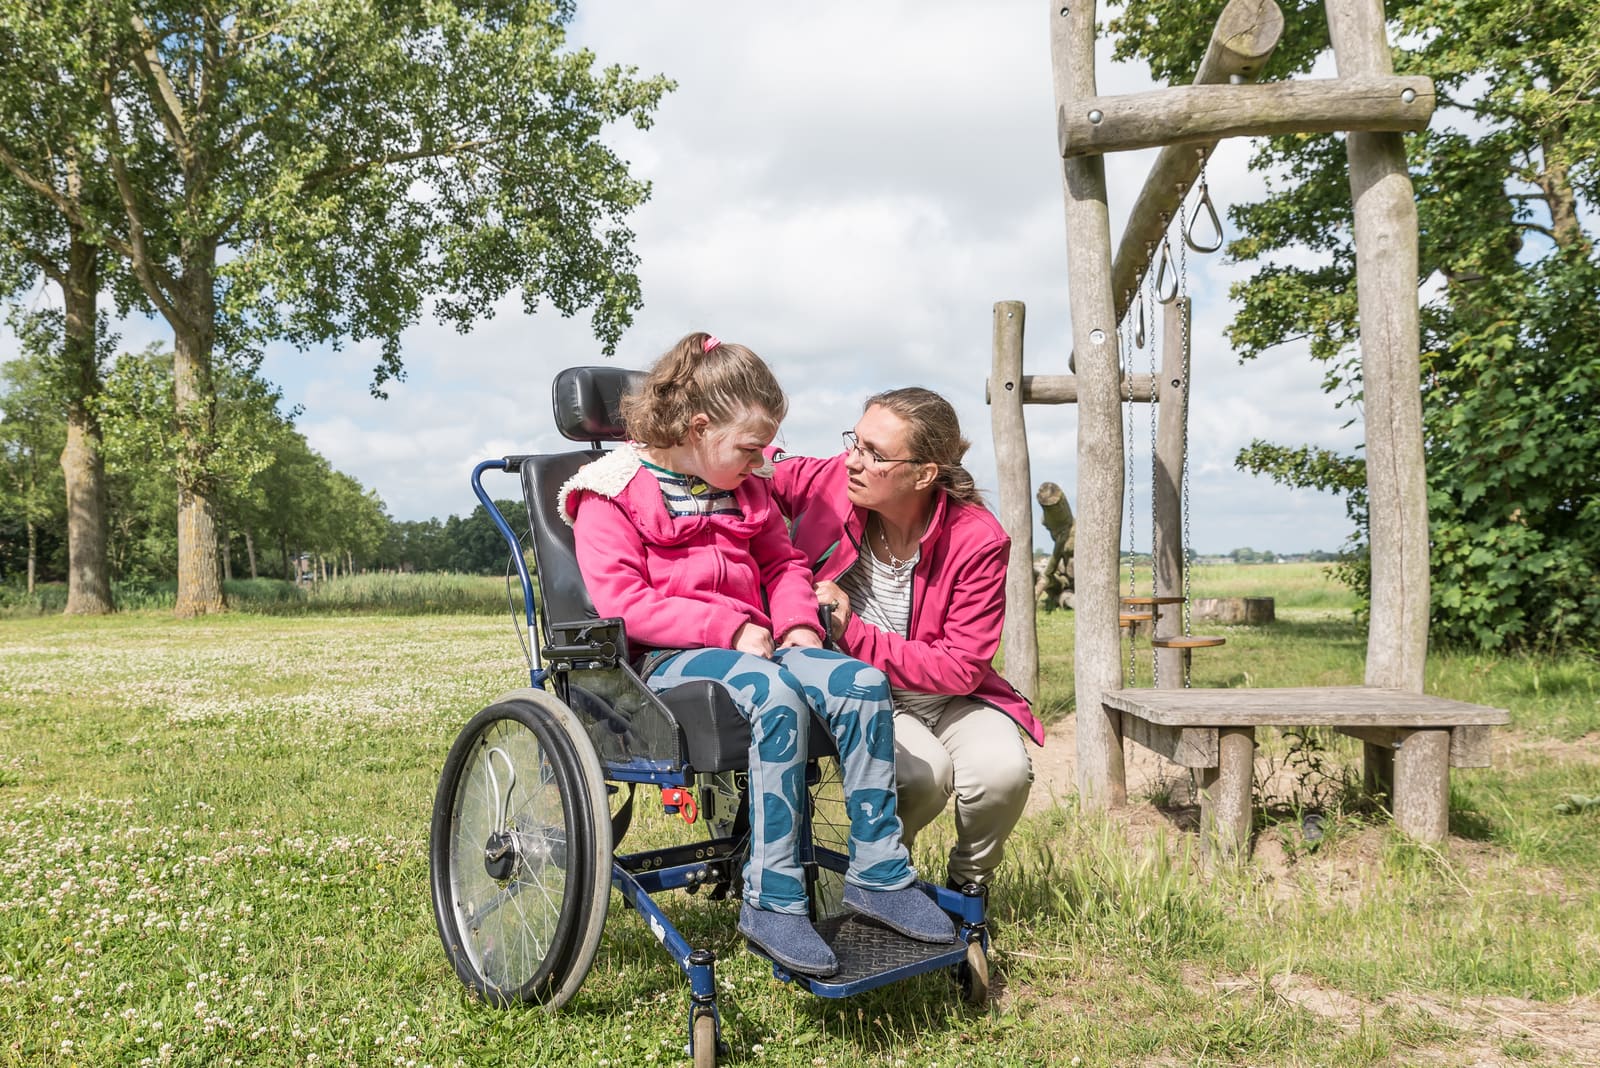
{"points": [[38, 185], [171, 109], [152, 279], [317, 177]]}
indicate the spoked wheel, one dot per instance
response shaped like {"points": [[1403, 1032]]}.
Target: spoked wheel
{"points": [[973, 975], [830, 829], [520, 852]]}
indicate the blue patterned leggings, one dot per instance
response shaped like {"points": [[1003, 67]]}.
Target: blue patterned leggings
{"points": [[777, 696]]}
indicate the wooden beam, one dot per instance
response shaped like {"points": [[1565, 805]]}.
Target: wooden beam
{"points": [[1386, 308], [1020, 639], [1204, 114], [1097, 652], [1063, 389]]}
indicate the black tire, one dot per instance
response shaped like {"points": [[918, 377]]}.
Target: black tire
{"points": [[520, 852], [973, 975]]}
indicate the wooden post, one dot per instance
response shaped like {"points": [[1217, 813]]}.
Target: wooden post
{"points": [[1172, 415], [1225, 794], [1386, 300], [1421, 801], [1020, 640], [1097, 657]]}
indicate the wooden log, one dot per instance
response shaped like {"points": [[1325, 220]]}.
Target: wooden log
{"points": [[1172, 416], [1097, 653], [1063, 389], [1205, 114], [1225, 795], [1020, 637], [1253, 611], [1246, 34], [1386, 307], [1421, 804], [1055, 581]]}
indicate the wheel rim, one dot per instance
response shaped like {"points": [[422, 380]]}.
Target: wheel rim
{"points": [[510, 891]]}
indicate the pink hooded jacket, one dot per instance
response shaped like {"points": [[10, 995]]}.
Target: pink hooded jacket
{"points": [[958, 600], [683, 583]]}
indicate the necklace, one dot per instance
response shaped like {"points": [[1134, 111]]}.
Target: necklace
{"points": [[895, 563]]}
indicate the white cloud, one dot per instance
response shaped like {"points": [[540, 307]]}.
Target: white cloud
{"points": [[848, 188]]}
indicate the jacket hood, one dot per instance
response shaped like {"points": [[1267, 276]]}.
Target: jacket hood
{"points": [[620, 476]]}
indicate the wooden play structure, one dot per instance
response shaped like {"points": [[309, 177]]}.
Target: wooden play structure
{"points": [[1410, 739]]}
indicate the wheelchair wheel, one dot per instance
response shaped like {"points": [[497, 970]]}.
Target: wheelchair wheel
{"points": [[972, 975], [830, 828], [520, 852]]}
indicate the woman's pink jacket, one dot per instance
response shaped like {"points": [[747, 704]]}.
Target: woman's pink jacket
{"points": [[683, 583], [958, 592]]}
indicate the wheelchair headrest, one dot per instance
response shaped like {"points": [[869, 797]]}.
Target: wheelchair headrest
{"points": [[588, 401]]}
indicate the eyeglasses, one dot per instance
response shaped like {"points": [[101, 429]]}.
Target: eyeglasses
{"points": [[853, 444]]}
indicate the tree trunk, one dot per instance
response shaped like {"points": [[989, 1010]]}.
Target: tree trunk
{"points": [[225, 540], [199, 571], [250, 551], [82, 463], [1556, 184], [33, 556]]}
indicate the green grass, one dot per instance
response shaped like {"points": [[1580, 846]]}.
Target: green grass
{"points": [[213, 842]]}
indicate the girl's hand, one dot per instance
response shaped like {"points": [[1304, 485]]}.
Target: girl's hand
{"points": [[829, 593], [753, 639], [801, 637]]}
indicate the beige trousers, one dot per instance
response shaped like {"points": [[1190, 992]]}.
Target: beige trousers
{"points": [[975, 753]]}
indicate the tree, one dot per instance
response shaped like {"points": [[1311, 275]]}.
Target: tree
{"points": [[315, 172], [45, 115], [1507, 181], [32, 433]]}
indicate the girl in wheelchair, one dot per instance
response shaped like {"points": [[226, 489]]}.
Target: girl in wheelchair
{"points": [[677, 539]]}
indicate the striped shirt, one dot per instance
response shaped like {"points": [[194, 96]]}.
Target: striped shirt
{"points": [[689, 495], [881, 595]]}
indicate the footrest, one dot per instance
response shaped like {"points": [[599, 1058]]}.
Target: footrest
{"points": [[871, 955]]}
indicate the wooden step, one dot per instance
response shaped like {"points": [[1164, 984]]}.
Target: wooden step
{"points": [[1133, 617], [1152, 600], [1187, 642]]}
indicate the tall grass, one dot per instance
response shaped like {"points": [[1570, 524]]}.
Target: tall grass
{"points": [[388, 593]]}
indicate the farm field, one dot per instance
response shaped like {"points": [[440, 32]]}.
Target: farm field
{"points": [[214, 843]]}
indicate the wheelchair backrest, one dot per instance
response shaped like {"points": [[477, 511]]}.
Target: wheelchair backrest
{"points": [[587, 402]]}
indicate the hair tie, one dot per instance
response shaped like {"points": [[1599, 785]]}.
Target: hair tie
{"points": [[710, 343]]}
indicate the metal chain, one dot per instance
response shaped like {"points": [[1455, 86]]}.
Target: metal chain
{"points": [[1127, 460], [1155, 529], [1184, 308]]}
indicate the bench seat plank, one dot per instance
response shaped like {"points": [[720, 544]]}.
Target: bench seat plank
{"points": [[1301, 706]]}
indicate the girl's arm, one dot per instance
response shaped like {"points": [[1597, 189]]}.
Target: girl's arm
{"points": [[791, 595], [611, 556]]}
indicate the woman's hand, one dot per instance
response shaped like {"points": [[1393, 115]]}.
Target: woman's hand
{"points": [[830, 593], [753, 639], [801, 637]]}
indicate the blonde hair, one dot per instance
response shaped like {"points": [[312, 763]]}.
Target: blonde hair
{"points": [[933, 436], [727, 382]]}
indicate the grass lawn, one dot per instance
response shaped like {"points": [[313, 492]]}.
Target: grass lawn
{"points": [[213, 842]]}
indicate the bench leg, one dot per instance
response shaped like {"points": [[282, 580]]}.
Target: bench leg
{"points": [[1422, 784], [1377, 771], [1225, 794]]}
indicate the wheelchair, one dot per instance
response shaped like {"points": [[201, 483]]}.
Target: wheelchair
{"points": [[523, 842]]}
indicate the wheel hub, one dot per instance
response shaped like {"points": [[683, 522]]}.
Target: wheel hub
{"points": [[500, 856]]}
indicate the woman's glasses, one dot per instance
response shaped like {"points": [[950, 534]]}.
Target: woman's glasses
{"points": [[869, 456]]}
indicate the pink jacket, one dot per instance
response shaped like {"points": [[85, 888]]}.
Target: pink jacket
{"points": [[958, 602], [683, 583]]}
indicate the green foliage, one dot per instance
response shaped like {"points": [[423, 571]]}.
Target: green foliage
{"points": [[1507, 182]]}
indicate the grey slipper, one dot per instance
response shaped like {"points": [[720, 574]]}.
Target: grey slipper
{"points": [[789, 940], [908, 910]]}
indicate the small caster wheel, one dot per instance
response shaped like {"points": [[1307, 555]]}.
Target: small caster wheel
{"points": [[705, 1041], [973, 975]]}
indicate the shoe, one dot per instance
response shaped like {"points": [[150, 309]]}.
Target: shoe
{"points": [[908, 910], [789, 940]]}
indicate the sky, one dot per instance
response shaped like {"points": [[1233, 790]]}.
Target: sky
{"points": [[848, 188]]}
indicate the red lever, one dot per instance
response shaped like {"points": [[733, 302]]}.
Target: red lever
{"points": [[679, 800]]}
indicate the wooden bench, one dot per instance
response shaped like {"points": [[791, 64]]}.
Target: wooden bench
{"points": [[1409, 743]]}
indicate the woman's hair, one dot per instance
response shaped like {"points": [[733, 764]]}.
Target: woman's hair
{"points": [[727, 382], [933, 436]]}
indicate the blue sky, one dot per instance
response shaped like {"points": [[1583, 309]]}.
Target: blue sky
{"points": [[847, 188]]}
